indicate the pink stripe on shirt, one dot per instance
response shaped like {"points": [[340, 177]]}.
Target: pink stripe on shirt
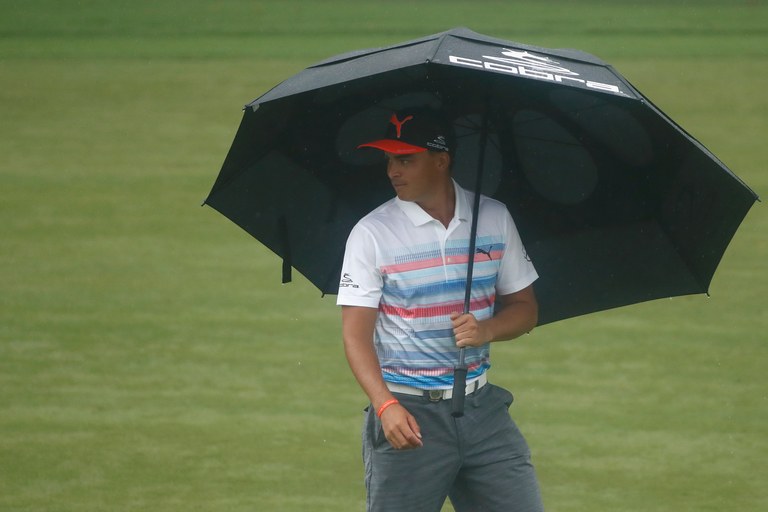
{"points": [[437, 309]]}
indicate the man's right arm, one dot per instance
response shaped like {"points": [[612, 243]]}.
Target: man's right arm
{"points": [[358, 324]]}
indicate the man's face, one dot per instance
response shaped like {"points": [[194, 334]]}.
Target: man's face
{"points": [[416, 177]]}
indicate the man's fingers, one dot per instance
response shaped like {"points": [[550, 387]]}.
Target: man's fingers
{"points": [[404, 432], [406, 437], [464, 322], [464, 327], [414, 426], [459, 318], [404, 440], [415, 430], [412, 442]]}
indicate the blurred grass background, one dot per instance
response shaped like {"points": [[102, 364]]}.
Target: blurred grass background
{"points": [[150, 359]]}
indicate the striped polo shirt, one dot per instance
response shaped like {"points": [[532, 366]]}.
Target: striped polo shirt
{"points": [[413, 269]]}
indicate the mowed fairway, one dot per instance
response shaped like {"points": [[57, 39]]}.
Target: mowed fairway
{"points": [[151, 360]]}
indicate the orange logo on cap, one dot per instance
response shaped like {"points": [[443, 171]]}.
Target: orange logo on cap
{"points": [[398, 123]]}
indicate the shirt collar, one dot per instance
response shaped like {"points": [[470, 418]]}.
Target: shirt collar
{"points": [[463, 210], [419, 217]]}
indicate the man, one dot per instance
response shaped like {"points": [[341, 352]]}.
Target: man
{"points": [[402, 295]]}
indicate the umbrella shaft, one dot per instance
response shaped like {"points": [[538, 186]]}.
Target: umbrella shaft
{"points": [[475, 213], [460, 372]]}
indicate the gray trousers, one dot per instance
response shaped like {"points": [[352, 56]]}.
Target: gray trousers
{"points": [[481, 460]]}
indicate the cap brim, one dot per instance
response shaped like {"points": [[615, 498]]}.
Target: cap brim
{"points": [[393, 146]]}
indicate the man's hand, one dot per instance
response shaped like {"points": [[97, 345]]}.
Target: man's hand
{"points": [[400, 428], [468, 331], [516, 315]]}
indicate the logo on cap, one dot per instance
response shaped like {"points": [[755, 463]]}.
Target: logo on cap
{"points": [[426, 130], [399, 124]]}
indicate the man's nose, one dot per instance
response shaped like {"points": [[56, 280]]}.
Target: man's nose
{"points": [[391, 168]]}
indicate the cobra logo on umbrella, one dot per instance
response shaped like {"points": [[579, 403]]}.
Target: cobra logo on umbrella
{"points": [[530, 65]]}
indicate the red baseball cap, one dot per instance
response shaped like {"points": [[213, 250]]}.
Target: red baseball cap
{"points": [[414, 131]]}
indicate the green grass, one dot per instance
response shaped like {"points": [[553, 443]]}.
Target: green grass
{"points": [[150, 359]]}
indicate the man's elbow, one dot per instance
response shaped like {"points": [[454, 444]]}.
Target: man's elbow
{"points": [[532, 308], [533, 316]]}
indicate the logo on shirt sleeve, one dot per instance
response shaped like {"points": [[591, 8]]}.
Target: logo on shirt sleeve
{"points": [[347, 282]]}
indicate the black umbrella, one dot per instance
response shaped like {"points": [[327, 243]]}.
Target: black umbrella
{"points": [[615, 203]]}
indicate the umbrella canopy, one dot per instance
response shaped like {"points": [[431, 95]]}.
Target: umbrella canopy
{"points": [[615, 203]]}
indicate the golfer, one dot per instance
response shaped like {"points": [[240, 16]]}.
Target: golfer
{"points": [[402, 296]]}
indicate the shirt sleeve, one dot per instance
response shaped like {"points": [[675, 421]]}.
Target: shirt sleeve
{"points": [[361, 281], [516, 270]]}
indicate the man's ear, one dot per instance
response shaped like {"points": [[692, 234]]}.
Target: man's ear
{"points": [[444, 160]]}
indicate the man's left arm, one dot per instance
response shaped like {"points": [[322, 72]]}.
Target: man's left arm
{"points": [[518, 314]]}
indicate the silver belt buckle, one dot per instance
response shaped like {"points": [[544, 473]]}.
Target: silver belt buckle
{"points": [[435, 395]]}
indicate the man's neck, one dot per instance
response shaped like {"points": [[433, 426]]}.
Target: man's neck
{"points": [[443, 206]]}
